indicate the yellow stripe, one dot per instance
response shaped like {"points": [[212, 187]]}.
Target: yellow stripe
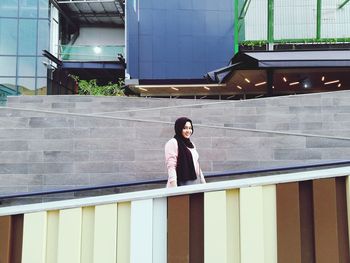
{"points": [[34, 238], [52, 236], [105, 234], [69, 236], [233, 236], [258, 224], [215, 227], [123, 243], [87, 234], [251, 221], [270, 223]]}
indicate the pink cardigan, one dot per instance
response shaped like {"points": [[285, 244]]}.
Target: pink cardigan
{"points": [[171, 151]]}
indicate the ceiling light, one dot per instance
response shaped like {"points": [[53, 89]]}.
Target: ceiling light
{"points": [[273, 87], [322, 78], [247, 80], [306, 83], [284, 79], [294, 83], [239, 87], [175, 88], [207, 88], [331, 82], [339, 85], [97, 50], [260, 83], [143, 89]]}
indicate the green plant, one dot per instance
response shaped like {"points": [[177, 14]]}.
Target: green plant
{"points": [[90, 87], [251, 43]]}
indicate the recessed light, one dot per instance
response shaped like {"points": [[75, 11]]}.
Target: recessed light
{"points": [[339, 85], [294, 83], [331, 82], [260, 83], [284, 79], [322, 78], [239, 87], [247, 80]]}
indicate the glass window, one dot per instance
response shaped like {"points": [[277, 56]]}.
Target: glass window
{"points": [[26, 66], [43, 36], [26, 86], [8, 36], [9, 8], [41, 84], [27, 37], [28, 8], [43, 8], [41, 70], [7, 66], [8, 86]]}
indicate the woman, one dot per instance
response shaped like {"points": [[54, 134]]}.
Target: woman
{"points": [[181, 156]]}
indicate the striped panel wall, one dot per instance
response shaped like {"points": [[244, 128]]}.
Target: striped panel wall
{"points": [[303, 221]]}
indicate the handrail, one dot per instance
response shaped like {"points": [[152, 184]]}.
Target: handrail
{"points": [[159, 181]]}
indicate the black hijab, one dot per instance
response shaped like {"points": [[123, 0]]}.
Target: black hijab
{"points": [[185, 168]]}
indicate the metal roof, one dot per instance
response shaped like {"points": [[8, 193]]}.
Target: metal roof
{"points": [[293, 59], [282, 60], [95, 12]]}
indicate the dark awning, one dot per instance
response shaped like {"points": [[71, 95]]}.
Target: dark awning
{"points": [[259, 60], [292, 59]]}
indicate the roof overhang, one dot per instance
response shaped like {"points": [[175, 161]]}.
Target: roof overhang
{"points": [[273, 73], [263, 60], [292, 59], [175, 90]]}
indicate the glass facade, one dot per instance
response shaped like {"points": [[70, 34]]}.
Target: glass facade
{"points": [[24, 33]]}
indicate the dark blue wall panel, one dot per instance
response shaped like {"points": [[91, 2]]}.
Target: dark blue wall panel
{"points": [[178, 39]]}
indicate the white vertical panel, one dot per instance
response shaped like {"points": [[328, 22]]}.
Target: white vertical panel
{"points": [[252, 228], [69, 236], [123, 232], [34, 238], [87, 234], [141, 231], [105, 235], [215, 231], [160, 230], [52, 236], [270, 223]]}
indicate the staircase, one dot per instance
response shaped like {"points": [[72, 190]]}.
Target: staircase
{"points": [[54, 142]]}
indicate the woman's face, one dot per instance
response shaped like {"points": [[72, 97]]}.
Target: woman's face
{"points": [[187, 130]]}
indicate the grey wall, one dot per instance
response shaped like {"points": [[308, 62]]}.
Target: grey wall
{"points": [[178, 39], [57, 145]]}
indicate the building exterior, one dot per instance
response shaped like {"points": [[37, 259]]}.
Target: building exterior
{"points": [[161, 48], [24, 33]]}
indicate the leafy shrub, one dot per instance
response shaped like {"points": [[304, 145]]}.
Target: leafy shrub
{"points": [[90, 87]]}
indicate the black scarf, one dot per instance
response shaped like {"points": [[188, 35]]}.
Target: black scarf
{"points": [[185, 168]]}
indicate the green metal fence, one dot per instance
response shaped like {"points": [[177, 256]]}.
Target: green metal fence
{"points": [[298, 21]]}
